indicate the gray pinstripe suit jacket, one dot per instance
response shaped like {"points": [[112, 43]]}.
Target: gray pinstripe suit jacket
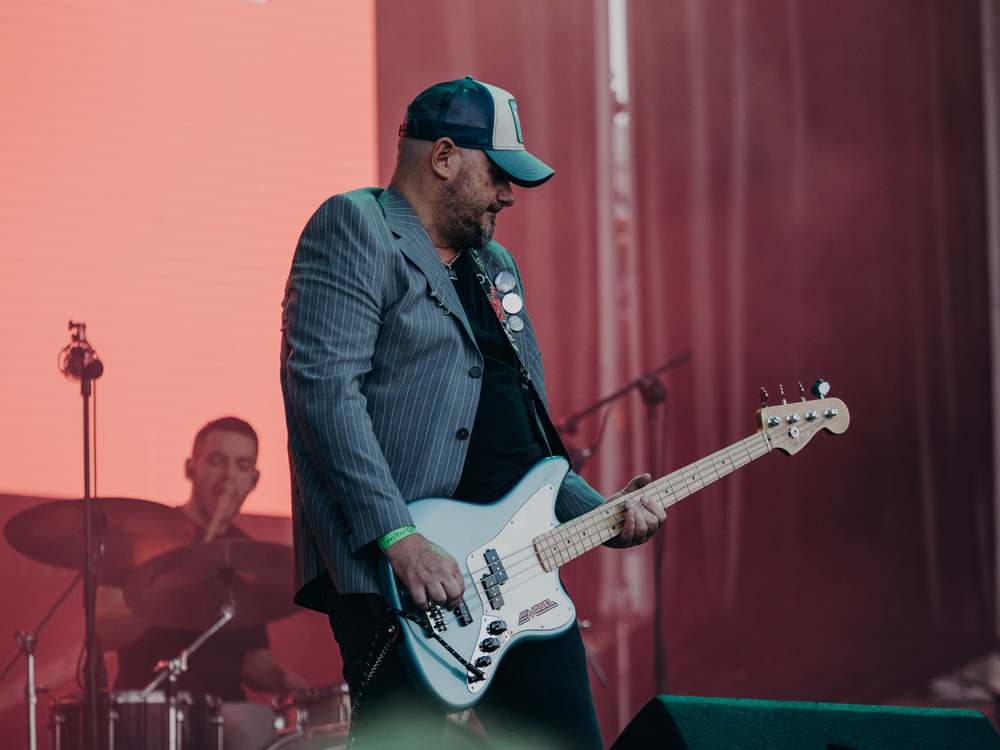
{"points": [[377, 372]]}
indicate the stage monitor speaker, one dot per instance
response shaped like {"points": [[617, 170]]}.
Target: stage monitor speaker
{"points": [[688, 723]]}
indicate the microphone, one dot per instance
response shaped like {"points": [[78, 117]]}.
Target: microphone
{"points": [[577, 457], [78, 360]]}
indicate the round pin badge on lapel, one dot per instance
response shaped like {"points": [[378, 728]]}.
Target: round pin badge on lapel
{"points": [[504, 282], [512, 303], [515, 323]]}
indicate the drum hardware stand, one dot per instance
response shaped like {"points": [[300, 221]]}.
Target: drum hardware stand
{"points": [[78, 361], [171, 669], [26, 643], [653, 394]]}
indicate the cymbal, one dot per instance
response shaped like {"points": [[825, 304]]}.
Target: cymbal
{"points": [[131, 530], [186, 588]]}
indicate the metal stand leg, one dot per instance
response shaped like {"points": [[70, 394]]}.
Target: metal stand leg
{"points": [[172, 742], [171, 670], [26, 645], [27, 642]]}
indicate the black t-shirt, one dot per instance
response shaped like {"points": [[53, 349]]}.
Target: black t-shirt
{"points": [[505, 441], [214, 669]]}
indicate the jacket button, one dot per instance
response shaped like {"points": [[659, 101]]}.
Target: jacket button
{"points": [[475, 372], [462, 434]]}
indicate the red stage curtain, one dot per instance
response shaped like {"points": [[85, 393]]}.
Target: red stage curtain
{"points": [[807, 201]]}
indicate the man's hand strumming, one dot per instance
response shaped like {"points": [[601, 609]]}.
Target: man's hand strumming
{"points": [[427, 570]]}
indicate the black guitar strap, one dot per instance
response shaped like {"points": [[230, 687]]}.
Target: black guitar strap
{"points": [[553, 442]]}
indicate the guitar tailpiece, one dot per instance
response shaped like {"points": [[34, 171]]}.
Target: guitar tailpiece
{"points": [[476, 674]]}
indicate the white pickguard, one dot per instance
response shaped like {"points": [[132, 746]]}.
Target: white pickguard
{"points": [[538, 604], [534, 602]]}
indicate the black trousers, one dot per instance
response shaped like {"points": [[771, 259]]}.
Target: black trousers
{"points": [[539, 699]]}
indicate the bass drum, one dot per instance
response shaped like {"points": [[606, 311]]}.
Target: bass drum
{"points": [[129, 721]]}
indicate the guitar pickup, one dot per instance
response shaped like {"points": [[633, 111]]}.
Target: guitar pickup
{"points": [[492, 581], [493, 594], [462, 613]]}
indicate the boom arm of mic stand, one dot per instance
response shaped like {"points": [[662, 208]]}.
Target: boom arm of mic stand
{"points": [[569, 424], [33, 636], [179, 663]]}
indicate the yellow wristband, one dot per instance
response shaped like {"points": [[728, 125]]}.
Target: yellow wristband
{"points": [[394, 536]]}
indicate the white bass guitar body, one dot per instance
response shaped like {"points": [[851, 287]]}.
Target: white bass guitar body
{"points": [[492, 544]]}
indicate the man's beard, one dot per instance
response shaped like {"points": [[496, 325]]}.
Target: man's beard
{"points": [[462, 217]]}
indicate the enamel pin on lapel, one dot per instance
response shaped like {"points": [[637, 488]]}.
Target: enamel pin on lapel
{"points": [[512, 303], [504, 282]]}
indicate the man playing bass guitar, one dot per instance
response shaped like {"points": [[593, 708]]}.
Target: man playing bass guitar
{"points": [[410, 369]]}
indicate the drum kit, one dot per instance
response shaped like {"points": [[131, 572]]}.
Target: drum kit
{"points": [[169, 579]]}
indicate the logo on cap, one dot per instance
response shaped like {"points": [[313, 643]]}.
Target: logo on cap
{"points": [[517, 121], [471, 114]]}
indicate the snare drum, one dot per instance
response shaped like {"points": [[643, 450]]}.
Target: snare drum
{"points": [[130, 722], [323, 739], [315, 709], [457, 736]]}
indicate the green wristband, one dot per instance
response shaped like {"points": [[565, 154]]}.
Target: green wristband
{"points": [[394, 536]]}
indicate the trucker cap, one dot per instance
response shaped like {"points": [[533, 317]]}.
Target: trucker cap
{"points": [[476, 115]]}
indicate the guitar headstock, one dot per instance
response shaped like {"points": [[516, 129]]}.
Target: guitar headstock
{"points": [[790, 426]]}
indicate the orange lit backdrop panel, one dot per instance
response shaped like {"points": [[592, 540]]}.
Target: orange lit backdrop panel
{"points": [[157, 162]]}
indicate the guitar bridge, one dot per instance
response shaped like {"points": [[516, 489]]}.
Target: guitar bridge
{"points": [[435, 620]]}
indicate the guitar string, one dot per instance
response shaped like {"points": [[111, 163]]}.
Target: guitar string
{"points": [[596, 521], [762, 440], [535, 565], [515, 557], [763, 446]]}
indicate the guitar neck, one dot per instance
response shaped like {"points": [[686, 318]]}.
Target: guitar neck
{"points": [[570, 540]]}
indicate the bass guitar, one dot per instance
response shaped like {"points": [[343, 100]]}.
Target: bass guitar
{"points": [[510, 552]]}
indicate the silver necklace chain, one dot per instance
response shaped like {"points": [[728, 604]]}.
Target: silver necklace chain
{"points": [[451, 272]]}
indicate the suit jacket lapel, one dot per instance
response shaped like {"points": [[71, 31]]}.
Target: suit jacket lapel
{"points": [[415, 244]]}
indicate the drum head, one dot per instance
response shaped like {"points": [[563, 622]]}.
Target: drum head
{"points": [[456, 737], [330, 739]]}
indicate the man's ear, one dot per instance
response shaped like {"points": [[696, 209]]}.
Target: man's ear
{"points": [[445, 158], [189, 469]]}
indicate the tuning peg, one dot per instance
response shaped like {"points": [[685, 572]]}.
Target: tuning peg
{"points": [[763, 397], [820, 389], [782, 389], [802, 392]]}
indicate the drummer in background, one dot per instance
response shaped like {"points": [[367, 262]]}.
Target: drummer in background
{"points": [[222, 470]]}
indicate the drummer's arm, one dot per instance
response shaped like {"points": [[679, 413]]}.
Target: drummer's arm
{"points": [[117, 627], [261, 672]]}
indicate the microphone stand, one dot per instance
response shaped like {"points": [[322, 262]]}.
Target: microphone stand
{"points": [[653, 394], [568, 425], [26, 643], [78, 361]]}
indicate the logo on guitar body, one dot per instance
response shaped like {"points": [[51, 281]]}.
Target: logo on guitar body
{"points": [[536, 610]]}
